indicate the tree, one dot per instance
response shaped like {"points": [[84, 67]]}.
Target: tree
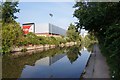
{"points": [[8, 11], [103, 19], [97, 17], [0, 12], [72, 34], [11, 30]]}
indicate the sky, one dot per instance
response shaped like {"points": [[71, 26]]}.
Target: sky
{"points": [[47, 0], [38, 13]]}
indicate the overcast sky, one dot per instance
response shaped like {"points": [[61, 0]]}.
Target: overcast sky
{"points": [[38, 13]]}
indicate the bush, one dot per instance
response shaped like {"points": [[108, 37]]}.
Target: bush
{"points": [[54, 40], [112, 49], [11, 33]]}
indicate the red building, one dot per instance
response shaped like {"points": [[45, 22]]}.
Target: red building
{"points": [[28, 27]]}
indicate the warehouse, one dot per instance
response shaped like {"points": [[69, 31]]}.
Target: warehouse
{"points": [[44, 29]]}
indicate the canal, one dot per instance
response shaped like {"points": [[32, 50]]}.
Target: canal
{"points": [[64, 62]]}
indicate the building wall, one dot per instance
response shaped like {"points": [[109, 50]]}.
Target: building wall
{"points": [[28, 27], [44, 29], [43, 34], [56, 30], [41, 28], [31, 28]]}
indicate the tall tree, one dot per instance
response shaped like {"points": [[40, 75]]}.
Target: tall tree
{"points": [[72, 33], [8, 11], [11, 30], [103, 19], [0, 12]]}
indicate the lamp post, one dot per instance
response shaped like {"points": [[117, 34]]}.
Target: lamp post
{"points": [[51, 15]]}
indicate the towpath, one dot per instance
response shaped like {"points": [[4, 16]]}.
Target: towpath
{"points": [[97, 65]]}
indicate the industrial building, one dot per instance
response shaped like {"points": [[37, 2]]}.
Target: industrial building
{"points": [[28, 27], [43, 29]]}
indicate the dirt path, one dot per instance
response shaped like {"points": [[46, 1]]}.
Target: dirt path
{"points": [[97, 66]]}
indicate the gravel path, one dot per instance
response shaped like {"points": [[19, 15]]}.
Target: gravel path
{"points": [[97, 65]]}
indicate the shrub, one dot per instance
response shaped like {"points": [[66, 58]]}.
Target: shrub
{"points": [[11, 33]]}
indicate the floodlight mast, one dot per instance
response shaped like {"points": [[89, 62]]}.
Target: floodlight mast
{"points": [[51, 15]]}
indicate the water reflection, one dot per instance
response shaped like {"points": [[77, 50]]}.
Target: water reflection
{"points": [[73, 53], [12, 66], [56, 63]]}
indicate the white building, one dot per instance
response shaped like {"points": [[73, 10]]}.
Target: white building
{"points": [[43, 29], [49, 30]]}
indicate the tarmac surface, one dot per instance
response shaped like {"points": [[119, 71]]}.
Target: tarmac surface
{"points": [[97, 66]]}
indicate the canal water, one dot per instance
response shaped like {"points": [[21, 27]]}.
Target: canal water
{"points": [[55, 63]]}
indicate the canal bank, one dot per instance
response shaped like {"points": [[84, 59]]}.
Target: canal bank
{"points": [[42, 47], [97, 66], [29, 50]]}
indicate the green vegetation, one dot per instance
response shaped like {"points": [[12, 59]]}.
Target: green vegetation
{"points": [[8, 11], [0, 27], [0, 12], [103, 20], [73, 53], [11, 40], [73, 34], [11, 33], [33, 39], [89, 40]]}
